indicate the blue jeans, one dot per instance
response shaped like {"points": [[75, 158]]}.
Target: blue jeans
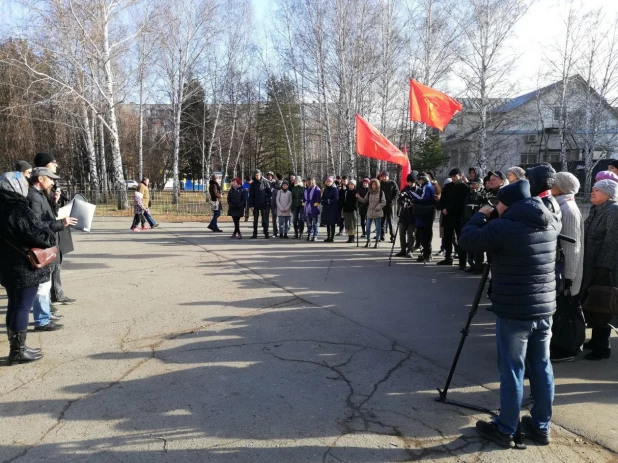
{"points": [[312, 225], [41, 307], [149, 218], [378, 223], [518, 341], [284, 224], [215, 216]]}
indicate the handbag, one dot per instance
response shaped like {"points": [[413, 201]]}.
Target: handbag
{"points": [[602, 300], [38, 257], [569, 326], [214, 205]]}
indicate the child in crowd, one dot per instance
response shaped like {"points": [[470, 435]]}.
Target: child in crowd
{"points": [[284, 209]]}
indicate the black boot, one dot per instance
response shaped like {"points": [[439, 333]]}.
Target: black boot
{"points": [[32, 350], [18, 352], [367, 244], [350, 240]]}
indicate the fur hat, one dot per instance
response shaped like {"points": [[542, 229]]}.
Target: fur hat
{"points": [[609, 188], [514, 192], [567, 183]]}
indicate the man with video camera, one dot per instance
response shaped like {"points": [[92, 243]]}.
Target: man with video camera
{"points": [[521, 244]]}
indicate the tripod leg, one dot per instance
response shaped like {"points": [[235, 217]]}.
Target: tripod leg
{"points": [[465, 331], [393, 246]]}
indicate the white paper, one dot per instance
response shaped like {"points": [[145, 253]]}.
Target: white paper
{"points": [[65, 211], [84, 213]]}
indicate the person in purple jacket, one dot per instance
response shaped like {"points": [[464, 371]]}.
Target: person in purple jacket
{"points": [[311, 203]]}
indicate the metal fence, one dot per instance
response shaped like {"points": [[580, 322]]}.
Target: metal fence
{"points": [[191, 203]]}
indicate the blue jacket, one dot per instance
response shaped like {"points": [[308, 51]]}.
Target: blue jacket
{"points": [[522, 248], [426, 197]]}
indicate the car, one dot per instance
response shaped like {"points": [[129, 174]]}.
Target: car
{"points": [[132, 185]]}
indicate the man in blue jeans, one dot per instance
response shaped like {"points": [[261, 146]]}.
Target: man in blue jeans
{"points": [[521, 243]]}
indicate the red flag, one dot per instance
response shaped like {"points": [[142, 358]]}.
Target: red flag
{"points": [[372, 144], [431, 106]]}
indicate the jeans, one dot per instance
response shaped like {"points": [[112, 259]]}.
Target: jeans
{"points": [[41, 306], [150, 220], [57, 293], [256, 215], [213, 222], [18, 309], [518, 341], [406, 236], [137, 219], [312, 226], [378, 222], [284, 224]]}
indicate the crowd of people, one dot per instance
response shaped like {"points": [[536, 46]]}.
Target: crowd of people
{"points": [[29, 204]]}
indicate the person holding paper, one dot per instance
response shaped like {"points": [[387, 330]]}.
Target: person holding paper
{"points": [[42, 181]]}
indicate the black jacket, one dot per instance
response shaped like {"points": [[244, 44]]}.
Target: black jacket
{"points": [[362, 207], [260, 194], [406, 206], [236, 202], [213, 190], [522, 247], [37, 199], [475, 200], [453, 199], [65, 240], [330, 205], [20, 227], [391, 191], [348, 201]]}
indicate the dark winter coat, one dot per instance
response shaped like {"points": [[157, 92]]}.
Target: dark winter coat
{"points": [[453, 199], [276, 187], [21, 227], [330, 205], [600, 253], [522, 247], [424, 196], [349, 203], [65, 240], [236, 202], [312, 196], [362, 207], [475, 200], [406, 206], [297, 195], [391, 191], [213, 189], [260, 194], [37, 199]]}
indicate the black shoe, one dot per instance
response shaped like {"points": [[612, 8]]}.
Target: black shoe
{"points": [[267, 236], [428, 258], [218, 230], [65, 301], [401, 254], [420, 259], [338, 234], [312, 238], [589, 345], [329, 240], [351, 240], [18, 351], [462, 268], [363, 236], [490, 431], [446, 262], [528, 428], [599, 354], [376, 244], [51, 326], [557, 355], [382, 238], [295, 236], [308, 238], [367, 244], [253, 237]]}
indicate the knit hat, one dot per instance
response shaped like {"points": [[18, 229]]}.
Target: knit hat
{"points": [[331, 179], [366, 180], [607, 175], [257, 171], [42, 159], [285, 182], [22, 166], [455, 171], [411, 178], [384, 174], [609, 188], [353, 182], [514, 192], [567, 183], [517, 172], [541, 178]]}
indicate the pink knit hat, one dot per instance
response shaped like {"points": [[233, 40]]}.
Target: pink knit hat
{"points": [[607, 175], [331, 179]]}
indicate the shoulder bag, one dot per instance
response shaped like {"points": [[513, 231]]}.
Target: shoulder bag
{"points": [[38, 257], [602, 299]]}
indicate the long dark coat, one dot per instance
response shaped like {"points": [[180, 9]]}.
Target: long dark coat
{"points": [[42, 209], [236, 202], [330, 205], [600, 253], [20, 227]]}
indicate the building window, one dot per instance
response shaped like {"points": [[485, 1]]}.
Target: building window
{"points": [[528, 159]]}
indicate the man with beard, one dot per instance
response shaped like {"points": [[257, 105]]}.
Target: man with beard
{"points": [[57, 199], [260, 202], [391, 192]]}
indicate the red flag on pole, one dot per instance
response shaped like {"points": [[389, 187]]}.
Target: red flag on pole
{"points": [[372, 144], [431, 106]]}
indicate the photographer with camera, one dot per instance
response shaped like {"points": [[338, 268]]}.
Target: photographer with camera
{"points": [[521, 244], [424, 214], [451, 203], [475, 200], [406, 218]]}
